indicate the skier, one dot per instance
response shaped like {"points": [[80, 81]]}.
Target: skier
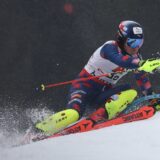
{"points": [[116, 57]]}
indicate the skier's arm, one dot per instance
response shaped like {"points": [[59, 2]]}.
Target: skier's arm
{"points": [[145, 85], [110, 52], [143, 82]]}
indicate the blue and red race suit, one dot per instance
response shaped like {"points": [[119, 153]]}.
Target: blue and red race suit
{"points": [[109, 58]]}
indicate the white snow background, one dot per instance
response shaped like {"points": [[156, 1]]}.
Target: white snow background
{"points": [[132, 141]]}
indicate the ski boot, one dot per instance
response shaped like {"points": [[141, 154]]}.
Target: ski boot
{"points": [[155, 103]]}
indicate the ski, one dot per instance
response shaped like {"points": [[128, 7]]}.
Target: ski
{"points": [[134, 112], [85, 125]]}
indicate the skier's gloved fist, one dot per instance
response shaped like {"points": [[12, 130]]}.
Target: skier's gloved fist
{"points": [[149, 65], [155, 103]]}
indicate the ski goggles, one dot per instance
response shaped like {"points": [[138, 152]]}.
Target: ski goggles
{"points": [[134, 43]]}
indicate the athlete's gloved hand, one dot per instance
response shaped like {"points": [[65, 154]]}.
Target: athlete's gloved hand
{"points": [[149, 65], [155, 103]]}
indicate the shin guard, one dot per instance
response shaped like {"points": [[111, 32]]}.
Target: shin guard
{"points": [[119, 102], [58, 121]]}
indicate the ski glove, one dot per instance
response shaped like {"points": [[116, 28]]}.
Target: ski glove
{"points": [[155, 103], [149, 65]]}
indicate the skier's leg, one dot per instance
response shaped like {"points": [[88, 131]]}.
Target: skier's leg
{"points": [[114, 105], [108, 92], [62, 119], [78, 97]]}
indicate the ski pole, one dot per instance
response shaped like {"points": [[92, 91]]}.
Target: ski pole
{"points": [[43, 87]]}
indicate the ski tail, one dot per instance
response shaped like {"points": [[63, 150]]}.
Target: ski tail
{"points": [[85, 125]]}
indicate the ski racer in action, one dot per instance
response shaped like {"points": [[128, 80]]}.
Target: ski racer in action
{"points": [[117, 58]]}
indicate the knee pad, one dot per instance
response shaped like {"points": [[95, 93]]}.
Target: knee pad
{"points": [[119, 102], [58, 121]]}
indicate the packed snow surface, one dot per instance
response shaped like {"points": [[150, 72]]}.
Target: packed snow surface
{"points": [[132, 141]]}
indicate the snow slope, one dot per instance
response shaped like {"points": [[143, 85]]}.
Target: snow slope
{"points": [[133, 141]]}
